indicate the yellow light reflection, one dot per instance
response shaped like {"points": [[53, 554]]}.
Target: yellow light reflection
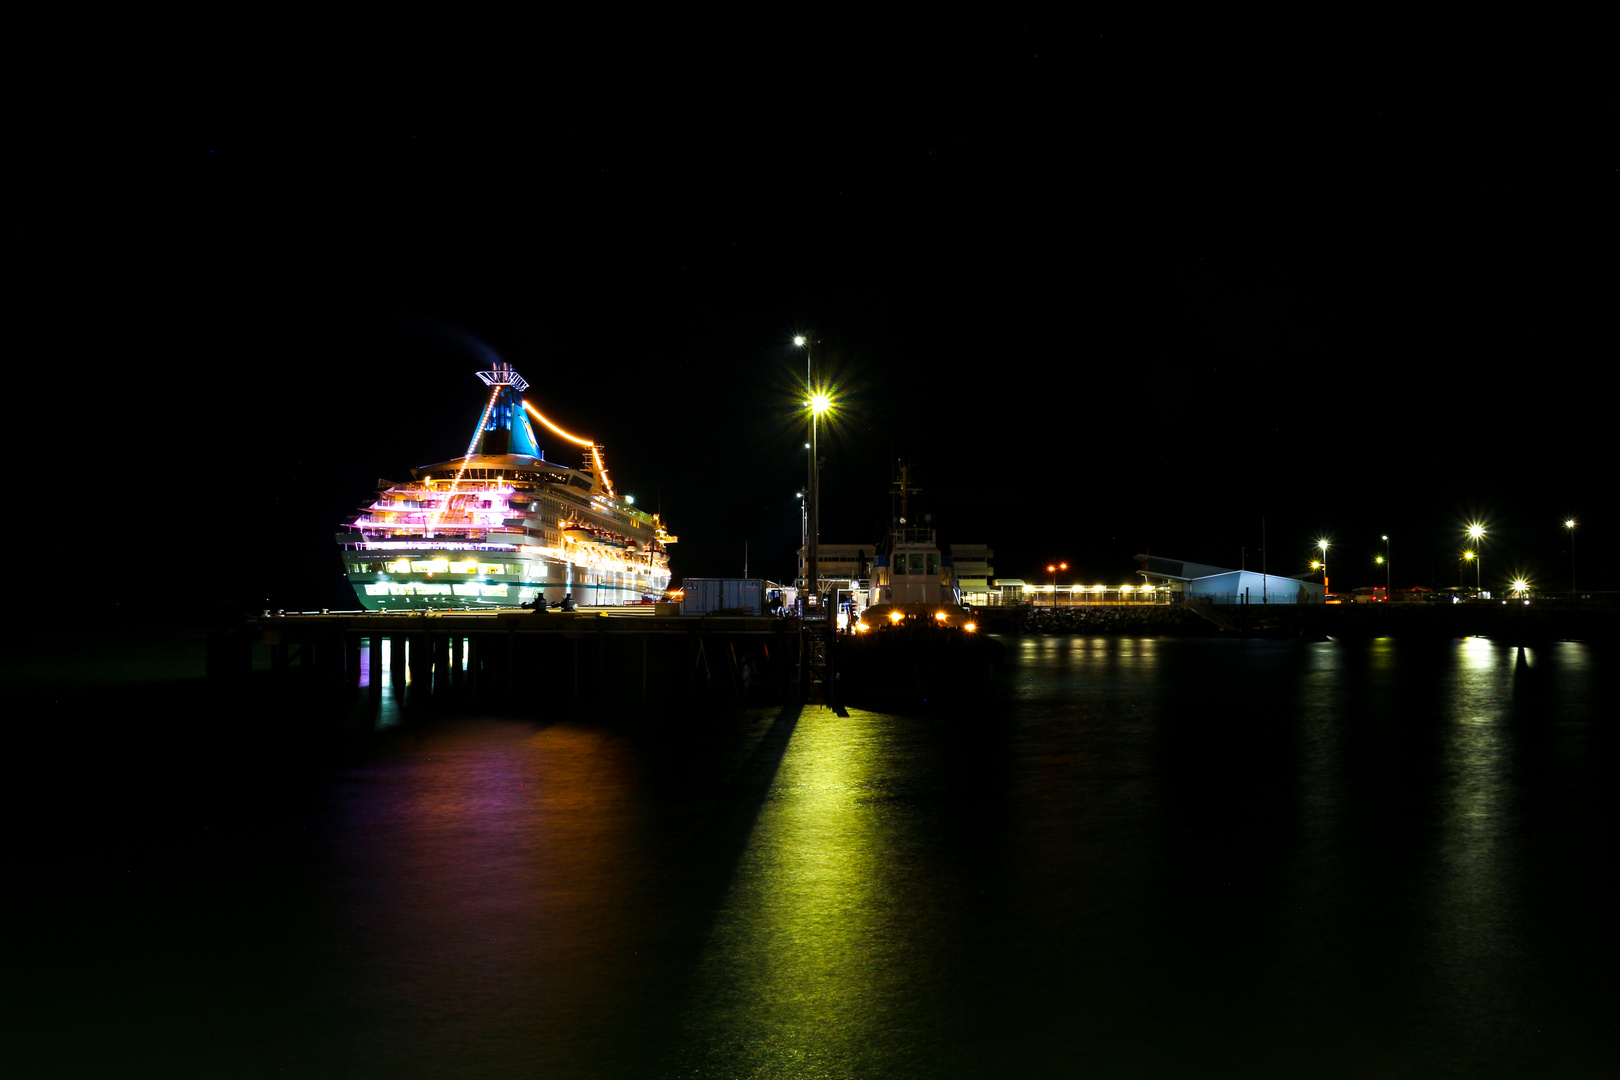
{"points": [[810, 935]]}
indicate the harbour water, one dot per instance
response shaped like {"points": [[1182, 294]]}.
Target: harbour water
{"points": [[1143, 858]]}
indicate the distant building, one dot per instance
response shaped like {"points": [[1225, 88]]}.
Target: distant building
{"points": [[1218, 585]]}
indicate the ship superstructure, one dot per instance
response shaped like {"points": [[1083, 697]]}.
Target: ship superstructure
{"points": [[912, 574], [501, 526]]}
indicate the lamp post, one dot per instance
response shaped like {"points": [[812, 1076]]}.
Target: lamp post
{"points": [[818, 403], [1053, 569], [1569, 523], [1476, 533], [1388, 588], [1323, 544], [1470, 557]]}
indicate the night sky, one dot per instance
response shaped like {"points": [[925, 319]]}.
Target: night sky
{"points": [[1107, 296]]}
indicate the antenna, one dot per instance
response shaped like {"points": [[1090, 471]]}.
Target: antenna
{"points": [[504, 375]]}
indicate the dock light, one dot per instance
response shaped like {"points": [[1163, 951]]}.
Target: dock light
{"points": [[970, 627], [819, 403], [896, 616], [1519, 586], [1569, 523], [940, 616]]}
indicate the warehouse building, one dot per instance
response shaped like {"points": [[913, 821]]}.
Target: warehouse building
{"points": [[1190, 581]]}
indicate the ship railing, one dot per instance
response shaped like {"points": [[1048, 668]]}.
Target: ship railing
{"points": [[913, 535]]}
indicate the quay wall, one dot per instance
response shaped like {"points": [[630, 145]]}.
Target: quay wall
{"points": [[556, 661], [1512, 620]]}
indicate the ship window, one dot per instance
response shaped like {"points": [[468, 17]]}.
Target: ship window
{"points": [[933, 563], [492, 568], [916, 566]]}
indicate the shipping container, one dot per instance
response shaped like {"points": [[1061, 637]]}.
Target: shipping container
{"points": [[733, 596]]}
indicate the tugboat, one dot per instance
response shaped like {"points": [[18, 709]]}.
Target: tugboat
{"points": [[916, 642], [913, 578]]}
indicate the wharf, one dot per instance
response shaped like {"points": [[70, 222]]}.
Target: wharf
{"points": [[1514, 620], [628, 657]]}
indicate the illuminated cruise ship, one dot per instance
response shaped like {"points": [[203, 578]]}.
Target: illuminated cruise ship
{"points": [[501, 526]]}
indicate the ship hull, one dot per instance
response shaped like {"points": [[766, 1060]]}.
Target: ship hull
{"points": [[485, 533]]}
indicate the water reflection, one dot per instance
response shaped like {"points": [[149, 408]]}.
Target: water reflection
{"points": [[805, 970], [1151, 858], [489, 890]]}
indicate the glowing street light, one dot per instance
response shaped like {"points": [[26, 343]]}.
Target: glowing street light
{"points": [[1385, 560], [818, 403], [1053, 569], [1476, 533], [1470, 557], [1323, 544], [1569, 523]]}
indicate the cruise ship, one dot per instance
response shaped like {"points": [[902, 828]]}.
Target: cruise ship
{"points": [[501, 526]]}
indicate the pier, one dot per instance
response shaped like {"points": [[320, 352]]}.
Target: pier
{"points": [[629, 660]]}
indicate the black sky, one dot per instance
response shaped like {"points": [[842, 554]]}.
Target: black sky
{"points": [[1105, 295]]}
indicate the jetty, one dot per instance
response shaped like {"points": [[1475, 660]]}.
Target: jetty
{"points": [[623, 658]]}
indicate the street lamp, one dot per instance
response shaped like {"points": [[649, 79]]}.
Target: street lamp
{"points": [[1569, 523], [1470, 557], [818, 403], [1476, 533], [1053, 569], [1388, 588], [1323, 544]]}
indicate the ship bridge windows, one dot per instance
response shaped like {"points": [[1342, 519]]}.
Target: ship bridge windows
{"points": [[916, 562]]}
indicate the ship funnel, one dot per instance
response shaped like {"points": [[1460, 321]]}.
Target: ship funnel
{"points": [[504, 429], [504, 375]]}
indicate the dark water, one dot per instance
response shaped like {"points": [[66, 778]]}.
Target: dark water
{"points": [[1154, 858]]}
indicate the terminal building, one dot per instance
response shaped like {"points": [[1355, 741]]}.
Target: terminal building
{"points": [[1196, 582]]}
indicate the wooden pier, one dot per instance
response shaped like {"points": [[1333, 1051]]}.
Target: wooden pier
{"points": [[576, 659]]}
